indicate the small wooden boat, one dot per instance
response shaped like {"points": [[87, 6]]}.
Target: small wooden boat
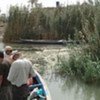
{"points": [[30, 41], [39, 89]]}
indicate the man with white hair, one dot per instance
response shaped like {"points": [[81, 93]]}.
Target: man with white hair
{"points": [[7, 51], [21, 69]]}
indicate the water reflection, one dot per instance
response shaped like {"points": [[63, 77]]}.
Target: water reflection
{"points": [[71, 89]]}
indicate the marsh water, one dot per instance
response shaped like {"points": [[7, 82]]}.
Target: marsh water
{"points": [[44, 58]]}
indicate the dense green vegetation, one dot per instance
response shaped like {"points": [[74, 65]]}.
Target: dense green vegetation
{"points": [[85, 63], [82, 66], [74, 22]]}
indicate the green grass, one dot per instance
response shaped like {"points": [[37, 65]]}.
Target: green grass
{"points": [[80, 66]]}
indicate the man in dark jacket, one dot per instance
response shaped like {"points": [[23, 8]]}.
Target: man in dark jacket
{"points": [[5, 86]]}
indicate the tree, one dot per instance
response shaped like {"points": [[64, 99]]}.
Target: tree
{"points": [[33, 2]]}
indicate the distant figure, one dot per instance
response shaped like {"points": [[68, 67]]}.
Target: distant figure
{"points": [[21, 70], [5, 86]]}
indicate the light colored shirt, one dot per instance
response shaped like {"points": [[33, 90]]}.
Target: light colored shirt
{"points": [[20, 71]]}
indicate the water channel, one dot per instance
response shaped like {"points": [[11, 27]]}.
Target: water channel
{"points": [[44, 58]]}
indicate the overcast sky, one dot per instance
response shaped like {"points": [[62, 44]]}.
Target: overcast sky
{"points": [[5, 4]]}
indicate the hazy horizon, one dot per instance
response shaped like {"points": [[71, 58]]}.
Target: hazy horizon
{"points": [[5, 4]]}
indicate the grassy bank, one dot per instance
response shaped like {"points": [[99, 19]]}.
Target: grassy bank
{"points": [[83, 63]]}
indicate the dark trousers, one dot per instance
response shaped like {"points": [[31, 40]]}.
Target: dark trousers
{"points": [[20, 93], [6, 93]]}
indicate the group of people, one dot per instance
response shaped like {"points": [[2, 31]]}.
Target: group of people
{"points": [[14, 73]]}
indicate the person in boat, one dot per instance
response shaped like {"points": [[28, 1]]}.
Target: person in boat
{"points": [[5, 85], [21, 69], [7, 53]]}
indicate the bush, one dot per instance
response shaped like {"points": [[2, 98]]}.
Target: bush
{"points": [[81, 66]]}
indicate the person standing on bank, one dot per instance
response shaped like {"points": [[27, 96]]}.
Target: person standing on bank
{"points": [[5, 86], [21, 69]]}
